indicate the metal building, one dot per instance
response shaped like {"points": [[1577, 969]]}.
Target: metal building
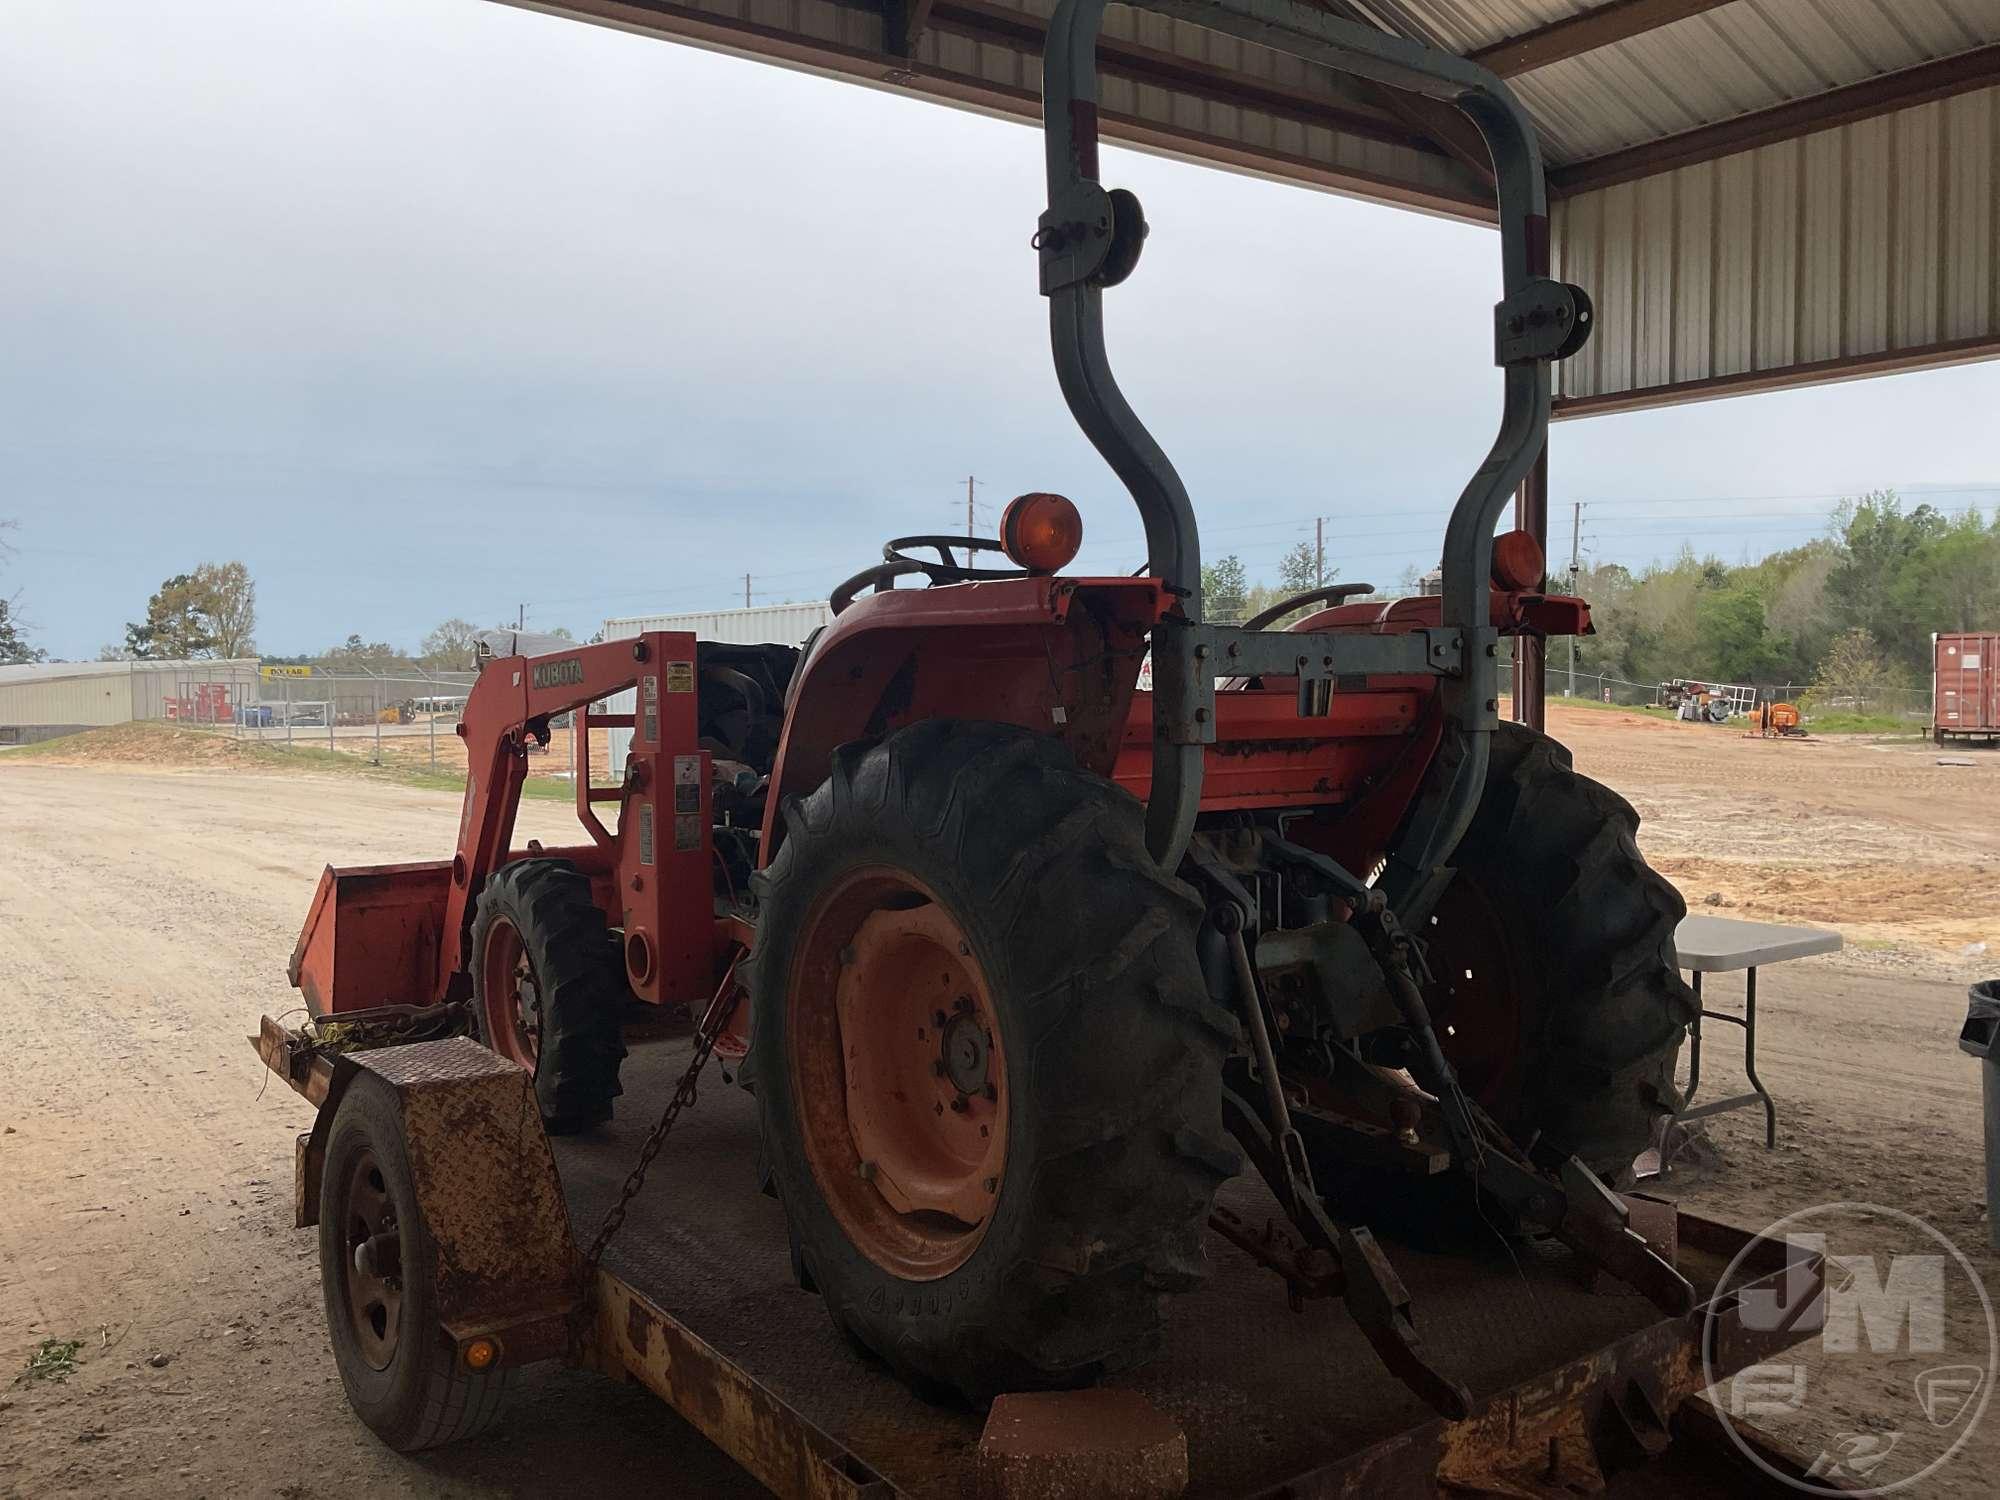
{"points": [[46, 699], [761, 625]]}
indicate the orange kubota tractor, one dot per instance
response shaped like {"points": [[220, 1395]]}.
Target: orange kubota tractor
{"points": [[1020, 960]]}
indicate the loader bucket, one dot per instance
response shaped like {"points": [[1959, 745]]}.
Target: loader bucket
{"points": [[371, 937]]}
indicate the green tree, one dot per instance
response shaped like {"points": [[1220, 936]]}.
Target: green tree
{"points": [[450, 647], [1298, 569], [14, 647], [1734, 638], [225, 598], [1870, 586], [175, 627], [1225, 585], [354, 652], [1854, 672]]}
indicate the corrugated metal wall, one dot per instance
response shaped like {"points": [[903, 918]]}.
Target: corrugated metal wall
{"points": [[100, 698], [95, 694], [773, 624], [1865, 240]]}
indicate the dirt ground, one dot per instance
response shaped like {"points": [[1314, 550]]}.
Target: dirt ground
{"points": [[145, 1195]]}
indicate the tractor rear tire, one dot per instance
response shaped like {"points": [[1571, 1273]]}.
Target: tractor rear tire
{"points": [[540, 912], [1056, 935], [378, 1275], [1553, 952]]}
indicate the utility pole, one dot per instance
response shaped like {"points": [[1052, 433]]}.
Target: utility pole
{"points": [[1575, 536], [746, 590], [520, 616], [971, 526], [1319, 551]]}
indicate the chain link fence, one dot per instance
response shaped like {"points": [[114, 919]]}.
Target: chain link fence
{"points": [[389, 717], [1910, 705]]}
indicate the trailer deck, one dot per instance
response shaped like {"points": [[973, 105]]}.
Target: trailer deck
{"points": [[1270, 1400]]}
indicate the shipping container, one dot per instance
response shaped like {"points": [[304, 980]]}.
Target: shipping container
{"points": [[761, 625], [1965, 685]]}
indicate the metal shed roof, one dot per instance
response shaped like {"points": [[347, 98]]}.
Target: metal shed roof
{"points": [[1756, 192]]}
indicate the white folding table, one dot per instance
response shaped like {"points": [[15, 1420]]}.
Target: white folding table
{"points": [[1715, 945]]}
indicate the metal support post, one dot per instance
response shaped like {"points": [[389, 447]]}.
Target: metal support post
{"points": [[1531, 514], [378, 721]]}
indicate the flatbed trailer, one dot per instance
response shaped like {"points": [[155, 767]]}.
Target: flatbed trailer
{"points": [[1579, 1388]]}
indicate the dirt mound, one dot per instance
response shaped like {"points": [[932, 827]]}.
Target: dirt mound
{"points": [[167, 746]]}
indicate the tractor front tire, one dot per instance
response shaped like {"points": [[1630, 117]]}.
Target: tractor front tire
{"points": [[988, 1069], [548, 989], [378, 1274], [1556, 992]]}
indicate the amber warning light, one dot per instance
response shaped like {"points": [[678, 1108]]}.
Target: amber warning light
{"points": [[1041, 532]]}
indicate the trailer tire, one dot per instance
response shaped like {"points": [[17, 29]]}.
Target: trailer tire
{"points": [[541, 911], [1105, 1048], [1556, 924], [401, 1373]]}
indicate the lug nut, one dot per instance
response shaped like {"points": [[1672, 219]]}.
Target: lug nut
{"points": [[958, 1106], [992, 1184]]}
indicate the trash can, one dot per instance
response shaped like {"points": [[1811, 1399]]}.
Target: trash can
{"points": [[1981, 1038]]}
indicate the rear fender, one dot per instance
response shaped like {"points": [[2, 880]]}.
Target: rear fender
{"points": [[1059, 656], [508, 1267]]}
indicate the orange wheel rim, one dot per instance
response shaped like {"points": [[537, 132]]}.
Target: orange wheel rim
{"points": [[899, 1072], [511, 1004]]}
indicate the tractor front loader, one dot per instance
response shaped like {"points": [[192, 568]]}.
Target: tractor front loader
{"points": [[1022, 962]]}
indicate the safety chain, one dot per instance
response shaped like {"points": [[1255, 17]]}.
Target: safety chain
{"points": [[684, 1095]]}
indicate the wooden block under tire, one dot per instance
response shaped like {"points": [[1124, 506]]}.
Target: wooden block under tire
{"points": [[1052, 1445]]}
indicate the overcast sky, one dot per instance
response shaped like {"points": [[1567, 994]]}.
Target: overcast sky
{"points": [[438, 307]]}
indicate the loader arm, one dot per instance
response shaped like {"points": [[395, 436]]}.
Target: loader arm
{"points": [[512, 702]]}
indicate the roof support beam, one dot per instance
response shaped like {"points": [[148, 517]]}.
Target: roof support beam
{"points": [[1942, 79], [1617, 21], [1449, 127], [903, 21], [983, 21], [1784, 378]]}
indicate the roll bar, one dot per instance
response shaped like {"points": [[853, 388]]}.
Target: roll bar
{"points": [[1090, 238]]}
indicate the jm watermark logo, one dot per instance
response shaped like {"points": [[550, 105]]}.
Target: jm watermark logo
{"points": [[1887, 1354]]}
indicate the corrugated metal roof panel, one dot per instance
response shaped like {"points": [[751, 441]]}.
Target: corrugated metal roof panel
{"points": [[1864, 240], [1738, 58]]}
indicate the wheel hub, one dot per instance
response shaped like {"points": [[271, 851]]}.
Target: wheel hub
{"points": [[900, 1073], [372, 1279], [966, 1047]]}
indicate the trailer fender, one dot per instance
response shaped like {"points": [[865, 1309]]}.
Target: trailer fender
{"points": [[507, 1266]]}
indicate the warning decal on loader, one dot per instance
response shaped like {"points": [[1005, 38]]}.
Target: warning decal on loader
{"points": [[645, 833], [680, 676], [650, 718]]}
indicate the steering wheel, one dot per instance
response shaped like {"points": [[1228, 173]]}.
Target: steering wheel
{"points": [[1332, 593], [897, 563]]}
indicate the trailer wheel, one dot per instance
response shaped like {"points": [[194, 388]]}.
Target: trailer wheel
{"points": [[988, 1069], [548, 989], [1556, 994], [378, 1270]]}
